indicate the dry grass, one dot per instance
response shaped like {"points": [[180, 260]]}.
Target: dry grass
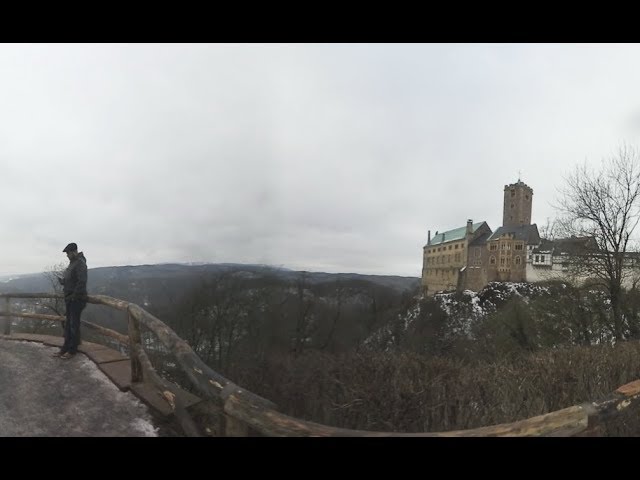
{"points": [[413, 393]]}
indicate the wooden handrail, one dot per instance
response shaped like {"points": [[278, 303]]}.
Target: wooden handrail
{"points": [[36, 316], [57, 318], [262, 415], [107, 332]]}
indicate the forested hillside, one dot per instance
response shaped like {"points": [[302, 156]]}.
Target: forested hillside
{"points": [[372, 353]]}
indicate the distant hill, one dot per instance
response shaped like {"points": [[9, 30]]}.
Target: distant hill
{"points": [[123, 280], [157, 287]]}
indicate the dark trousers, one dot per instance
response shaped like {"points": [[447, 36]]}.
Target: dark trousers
{"points": [[72, 326]]}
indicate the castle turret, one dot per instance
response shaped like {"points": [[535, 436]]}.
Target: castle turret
{"points": [[518, 198]]}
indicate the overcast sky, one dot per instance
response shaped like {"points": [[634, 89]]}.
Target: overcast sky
{"points": [[335, 158]]}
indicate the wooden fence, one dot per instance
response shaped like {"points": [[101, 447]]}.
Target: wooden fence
{"points": [[245, 413]]}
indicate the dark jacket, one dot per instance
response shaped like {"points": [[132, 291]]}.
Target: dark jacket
{"points": [[74, 281]]}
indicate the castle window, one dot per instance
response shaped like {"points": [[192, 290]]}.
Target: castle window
{"points": [[527, 197], [502, 261], [492, 260], [512, 205], [518, 260], [519, 246], [513, 193], [542, 258], [537, 258], [456, 246], [449, 247], [493, 247]]}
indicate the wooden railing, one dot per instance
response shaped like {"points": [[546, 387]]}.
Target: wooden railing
{"points": [[245, 413]]}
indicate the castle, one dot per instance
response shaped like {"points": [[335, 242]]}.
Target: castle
{"points": [[471, 256]]}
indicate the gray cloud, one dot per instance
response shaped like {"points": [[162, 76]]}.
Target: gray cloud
{"points": [[319, 157]]}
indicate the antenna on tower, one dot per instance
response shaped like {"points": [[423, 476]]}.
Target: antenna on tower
{"points": [[519, 175]]}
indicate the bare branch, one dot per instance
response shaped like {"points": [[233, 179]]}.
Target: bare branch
{"points": [[604, 205]]}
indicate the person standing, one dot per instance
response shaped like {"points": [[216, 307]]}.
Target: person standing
{"points": [[74, 284]]}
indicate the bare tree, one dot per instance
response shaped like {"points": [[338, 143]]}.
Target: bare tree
{"points": [[604, 206], [48, 306], [222, 317], [54, 305], [304, 319], [549, 231]]}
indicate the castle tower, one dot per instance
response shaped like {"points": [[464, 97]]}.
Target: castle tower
{"points": [[518, 198]]}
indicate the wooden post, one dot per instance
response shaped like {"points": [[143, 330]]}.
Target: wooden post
{"points": [[208, 415], [7, 320], [135, 338], [234, 427]]}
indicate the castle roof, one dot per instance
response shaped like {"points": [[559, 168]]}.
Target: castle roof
{"points": [[481, 239], [571, 245], [455, 234], [528, 233]]}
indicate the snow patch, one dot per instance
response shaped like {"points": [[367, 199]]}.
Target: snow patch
{"points": [[33, 344], [144, 427]]}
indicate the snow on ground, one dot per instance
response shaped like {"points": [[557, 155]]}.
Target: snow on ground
{"points": [[45, 396]]}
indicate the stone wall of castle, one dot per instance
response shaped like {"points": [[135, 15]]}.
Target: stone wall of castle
{"points": [[442, 264]]}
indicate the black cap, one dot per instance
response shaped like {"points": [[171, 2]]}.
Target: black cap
{"points": [[72, 247]]}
